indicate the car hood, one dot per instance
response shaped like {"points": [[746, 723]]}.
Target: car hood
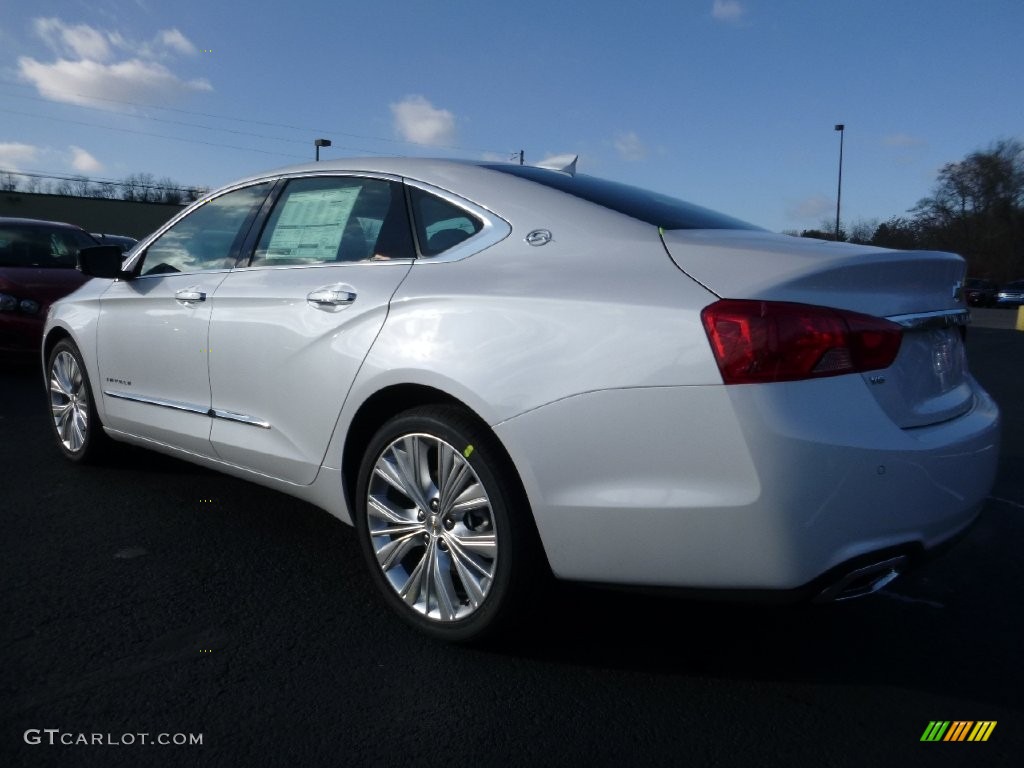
{"points": [[763, 265], [45, 285]]}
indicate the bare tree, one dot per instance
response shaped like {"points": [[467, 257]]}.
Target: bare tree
{"points": [[104, 189], [81, 186], [140, 187], [194, 193], [8, 182], [169, 190], [977, 209], [898, 232], [862, 231]]}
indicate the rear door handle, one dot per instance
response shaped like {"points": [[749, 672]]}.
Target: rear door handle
{"points": [[189, 295], [338, 295]]}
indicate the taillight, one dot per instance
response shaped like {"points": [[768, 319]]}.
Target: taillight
{"points": [[762, 341]]}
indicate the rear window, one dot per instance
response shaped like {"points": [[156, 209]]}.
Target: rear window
{"points": [[28, 245], [643, 204]]}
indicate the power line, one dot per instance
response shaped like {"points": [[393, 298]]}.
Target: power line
{"points": [[147, 133], [250, 121]]}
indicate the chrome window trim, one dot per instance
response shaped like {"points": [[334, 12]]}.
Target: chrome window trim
{"points": [[327, 264], [494, 230], [214, 413], [944, 318], [225, 270]]}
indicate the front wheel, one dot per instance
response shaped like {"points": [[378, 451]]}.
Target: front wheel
{"points": [[75, 422], [444, 531]]}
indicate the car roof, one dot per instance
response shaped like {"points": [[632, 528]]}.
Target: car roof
{"points": [[31, 222], [423, 168]]}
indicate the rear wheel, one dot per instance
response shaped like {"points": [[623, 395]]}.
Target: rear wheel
{"points": [[76, 424], [444, 531]]}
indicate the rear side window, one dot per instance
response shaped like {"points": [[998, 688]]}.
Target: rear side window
{"points": [[653, 207], [440, 225], [326, 220]]}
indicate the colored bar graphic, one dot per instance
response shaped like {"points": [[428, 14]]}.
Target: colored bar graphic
{"points": [[958, 730], [935, 730], [982, 730]]}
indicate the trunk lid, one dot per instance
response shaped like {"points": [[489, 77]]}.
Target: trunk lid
{"points": [[921, 290]]}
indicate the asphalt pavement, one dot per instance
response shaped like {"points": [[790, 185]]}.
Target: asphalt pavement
{"points": [[153, 597]]}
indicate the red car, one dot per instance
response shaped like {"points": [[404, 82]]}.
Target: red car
{"points": [[37, 267]]}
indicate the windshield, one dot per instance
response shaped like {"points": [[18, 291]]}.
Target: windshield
{"points": [[27, 245], [653, 207]]}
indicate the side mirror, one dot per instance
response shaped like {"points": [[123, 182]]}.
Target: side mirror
{"points": [[102, 261]]}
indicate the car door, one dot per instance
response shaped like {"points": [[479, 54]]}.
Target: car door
{"points": [[290, 330], [152, 336]]}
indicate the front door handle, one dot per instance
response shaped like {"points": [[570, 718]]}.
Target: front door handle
{"points": [[189, 295], [329, 296]]}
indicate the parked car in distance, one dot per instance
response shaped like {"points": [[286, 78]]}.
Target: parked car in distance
{"points": [[124, 242], [1010, 295], [494, 370], [37, 267], [980, 292]]}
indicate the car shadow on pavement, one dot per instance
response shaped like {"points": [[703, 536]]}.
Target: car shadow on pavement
{"points": [[941, 629]]}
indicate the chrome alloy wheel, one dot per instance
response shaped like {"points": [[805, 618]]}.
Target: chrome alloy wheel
{"points": [[432, 527], [69, 401]]}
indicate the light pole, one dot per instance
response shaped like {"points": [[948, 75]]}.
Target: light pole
{"points": [[320, 143], [839, 194]]}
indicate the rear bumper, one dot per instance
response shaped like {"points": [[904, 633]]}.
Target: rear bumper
{"points": [[765, 487]]}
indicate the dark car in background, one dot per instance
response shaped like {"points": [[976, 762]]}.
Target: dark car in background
{"points": [[980, 292], [37, 267], [123, 242], [1010, 295]]}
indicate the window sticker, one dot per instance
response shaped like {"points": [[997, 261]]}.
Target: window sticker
{"points": [[312, 224]]}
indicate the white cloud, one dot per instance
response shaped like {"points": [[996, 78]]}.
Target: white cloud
{"points": [[630, 147], [173, 39], [727, 10], [13, 155], [84, 162], [903, 141], [80, 40], [93, 83], [814, 207], [419, 121], [87, 71]]}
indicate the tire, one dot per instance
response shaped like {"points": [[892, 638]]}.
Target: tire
{"points": [[75, 422], [446, 533]]}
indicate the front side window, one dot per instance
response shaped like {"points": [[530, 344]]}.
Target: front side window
{"points": [[327, 220], [209, 237], [440, 225]]}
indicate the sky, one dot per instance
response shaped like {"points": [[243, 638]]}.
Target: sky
{"points": [[730, 104]]}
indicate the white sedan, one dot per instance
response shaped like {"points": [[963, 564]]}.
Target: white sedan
{"points": [[497, 372]]}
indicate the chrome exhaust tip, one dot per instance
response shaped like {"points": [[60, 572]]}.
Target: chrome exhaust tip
{"points": [[863, 581]]}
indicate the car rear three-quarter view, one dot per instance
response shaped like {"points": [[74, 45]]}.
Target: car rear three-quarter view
{"points": [[499, 372]]}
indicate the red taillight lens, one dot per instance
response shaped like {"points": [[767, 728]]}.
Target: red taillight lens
{"points": [[761, 341]]}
